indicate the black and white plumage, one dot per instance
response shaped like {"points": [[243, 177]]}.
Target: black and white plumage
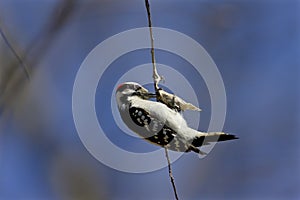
{"points": [[159, 124]]}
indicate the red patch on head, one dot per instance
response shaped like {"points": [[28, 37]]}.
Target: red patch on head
{"points": [[120, 86]]}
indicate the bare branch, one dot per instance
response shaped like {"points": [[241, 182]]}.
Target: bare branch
{"points": [[157, 78], [170, 174]]}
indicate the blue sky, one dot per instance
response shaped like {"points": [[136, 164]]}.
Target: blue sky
{"points": [[255, 45]]}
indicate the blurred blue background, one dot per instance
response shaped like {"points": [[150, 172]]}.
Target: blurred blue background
{"points": [[256, 46]]}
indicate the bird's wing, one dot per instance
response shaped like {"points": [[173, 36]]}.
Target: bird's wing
{"points": [[162, 113], [159, 133], [154, 130]]}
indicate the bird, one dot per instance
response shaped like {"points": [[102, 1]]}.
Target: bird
{"points": [[159, 124]]}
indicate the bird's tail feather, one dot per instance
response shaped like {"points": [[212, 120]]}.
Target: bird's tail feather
{"points": [[205, 139]]}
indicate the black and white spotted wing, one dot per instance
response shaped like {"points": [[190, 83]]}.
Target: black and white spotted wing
{"points": [[156, 132], [139, 116]]}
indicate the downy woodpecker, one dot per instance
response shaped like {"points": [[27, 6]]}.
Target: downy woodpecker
{"points": [[158, 123]]}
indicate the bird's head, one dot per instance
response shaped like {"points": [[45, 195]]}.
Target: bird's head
{"points": [[129, 89]]}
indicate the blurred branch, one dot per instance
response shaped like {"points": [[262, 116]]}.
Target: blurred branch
{"points": [[13, 83], [79, 180], [9, 45], [60, 16]]}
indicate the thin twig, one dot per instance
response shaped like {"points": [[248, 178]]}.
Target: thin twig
{"points": [[157, 78], [20, 60], [170, 173]]}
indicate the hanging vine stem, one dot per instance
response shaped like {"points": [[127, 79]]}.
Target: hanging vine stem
{"points": [[157, 78]]}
